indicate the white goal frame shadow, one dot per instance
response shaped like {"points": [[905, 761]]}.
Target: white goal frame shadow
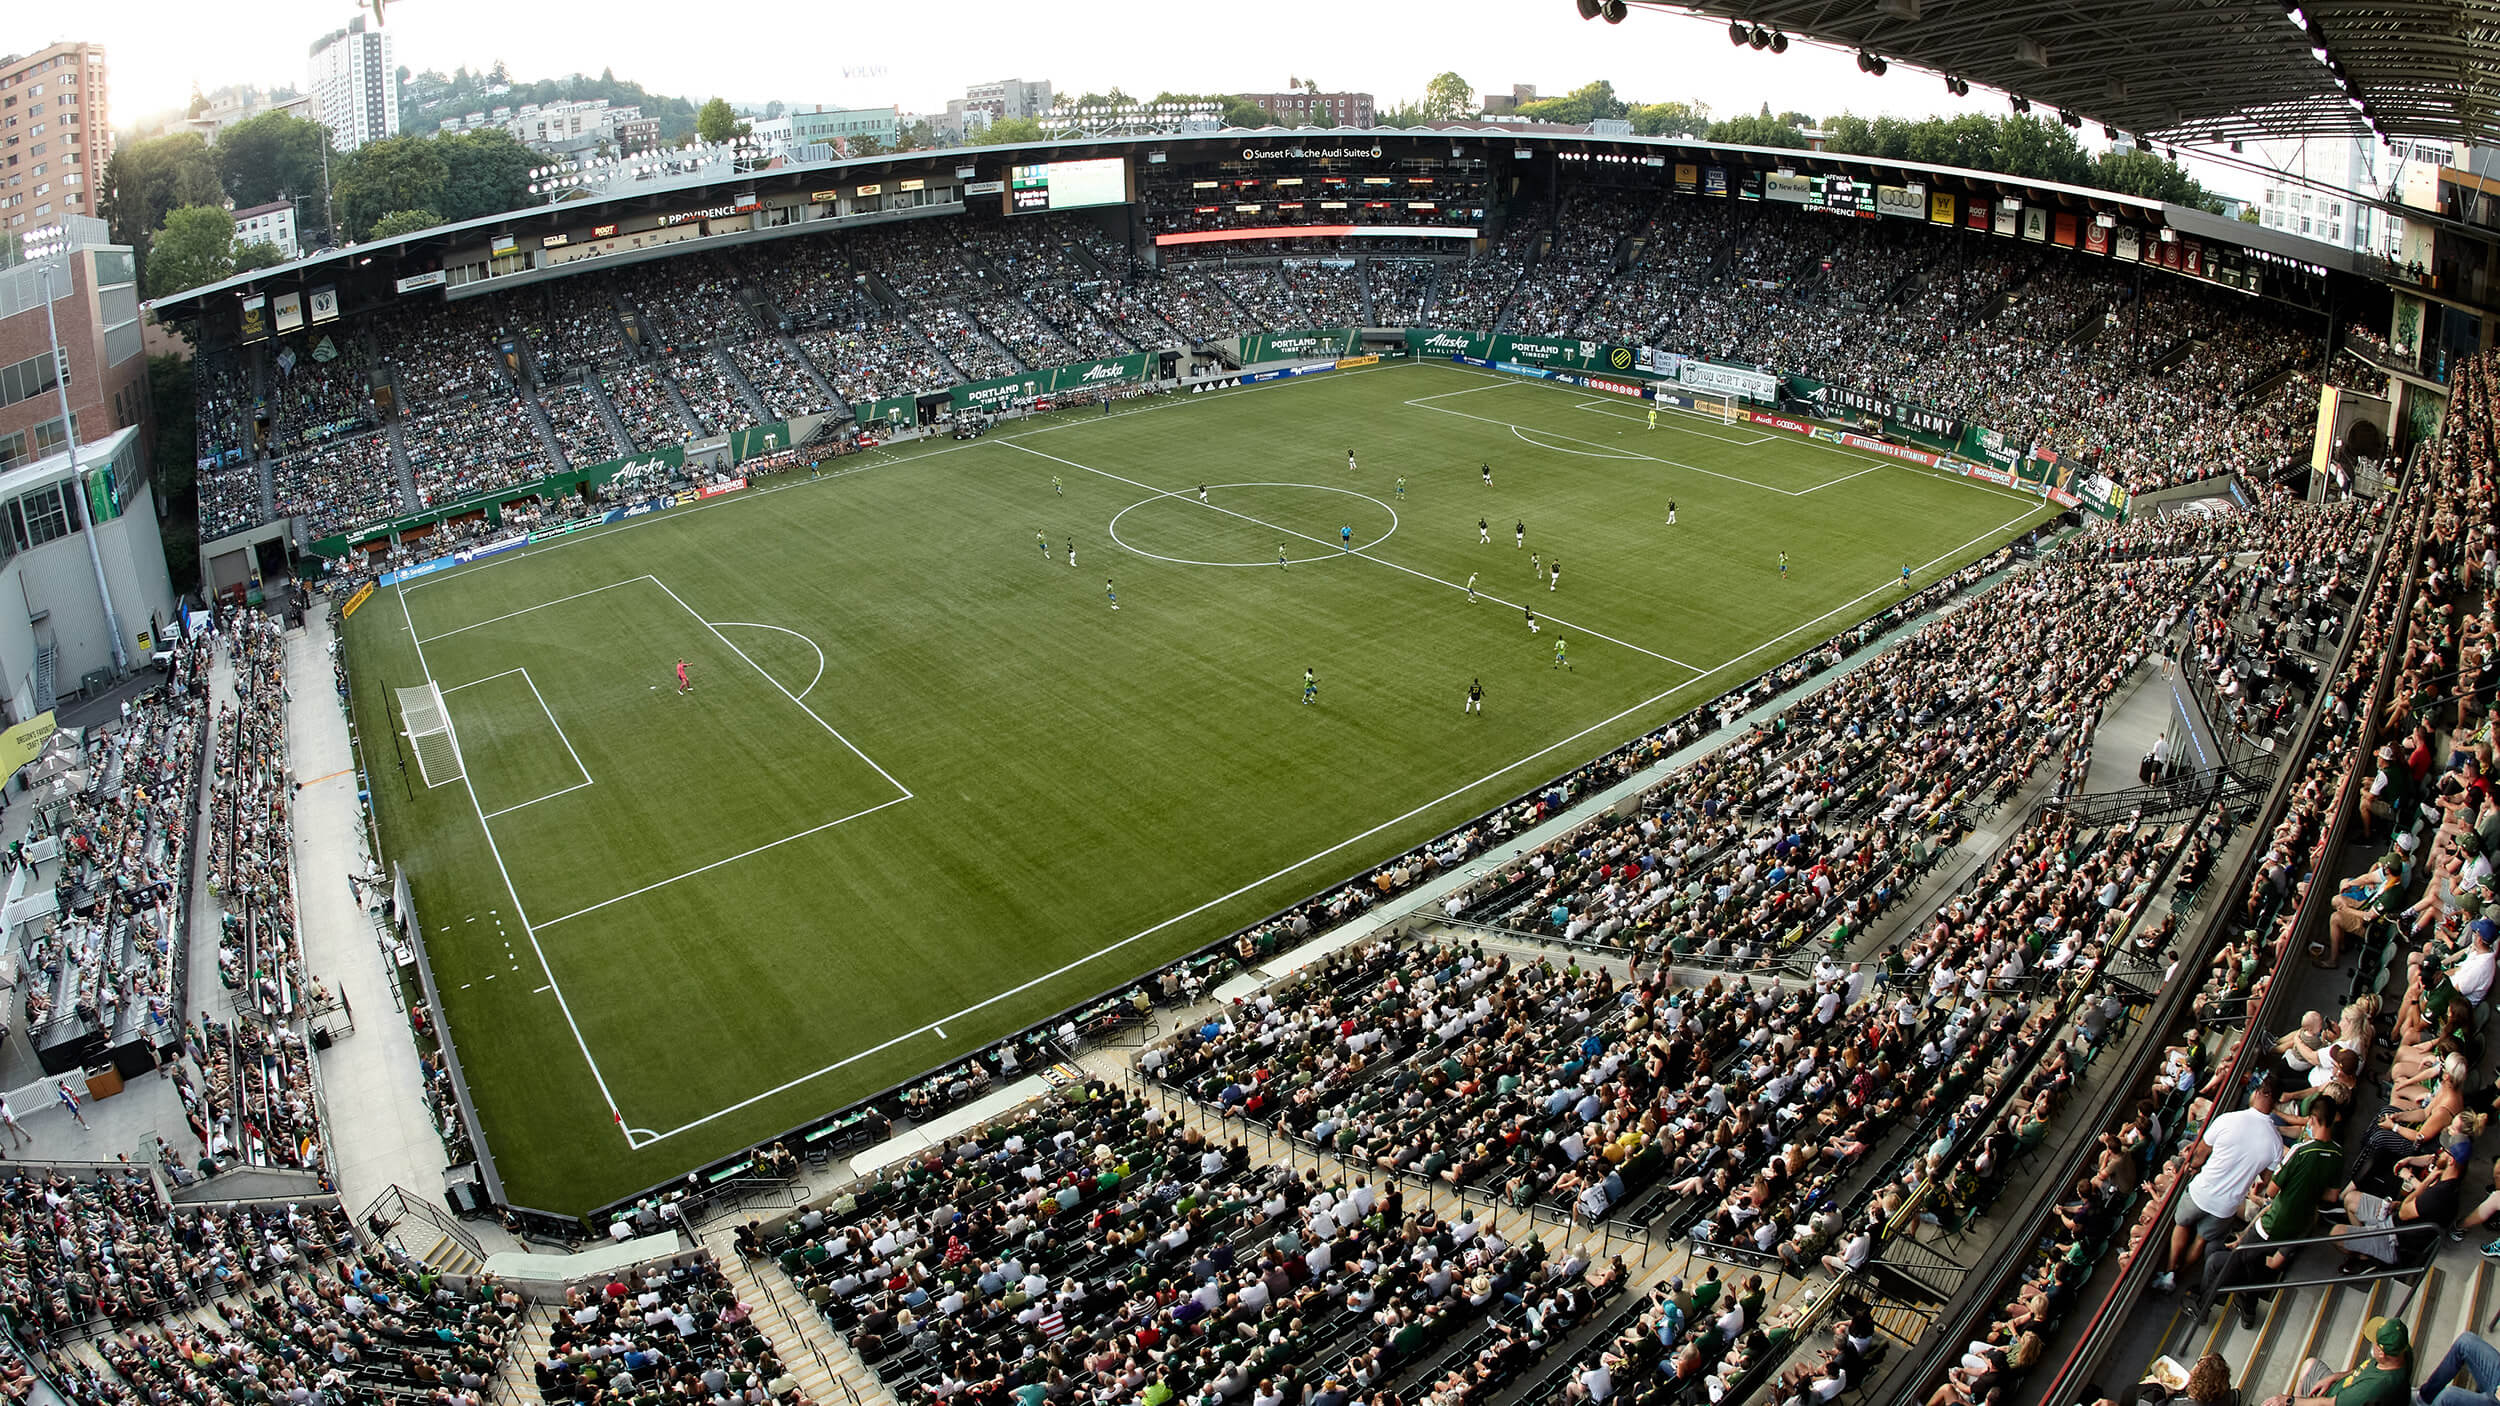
{"points": [[463, 757]]}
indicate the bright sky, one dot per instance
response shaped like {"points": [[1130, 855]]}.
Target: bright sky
{"points": [[917, 55]]}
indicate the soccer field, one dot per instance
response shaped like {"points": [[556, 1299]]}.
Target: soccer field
{"points": [[929, 787]]}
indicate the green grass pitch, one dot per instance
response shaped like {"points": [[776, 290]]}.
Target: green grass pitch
{"points": [[929, 787]]}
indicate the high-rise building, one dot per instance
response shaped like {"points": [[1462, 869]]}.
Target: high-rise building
{"points": [[56, 133], [1009, 98], [1298, 108], [354, 86], [2299, 206]]}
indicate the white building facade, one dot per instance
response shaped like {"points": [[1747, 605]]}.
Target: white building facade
{"points": [[354, 86], [273, 223], [2290, 197]]}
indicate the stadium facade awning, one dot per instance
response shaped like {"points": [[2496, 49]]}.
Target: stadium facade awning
{"points": [[2185, 70]]}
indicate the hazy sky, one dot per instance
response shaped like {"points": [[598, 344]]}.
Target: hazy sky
{"points": [[916, 55]]}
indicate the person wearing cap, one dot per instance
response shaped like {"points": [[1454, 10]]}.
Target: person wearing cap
{"points": [[2385, 1380], [2386, 792], [2471, 974]]}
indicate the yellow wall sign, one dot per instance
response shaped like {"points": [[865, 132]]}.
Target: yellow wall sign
{"points": [[363, 594], [23, 743]]}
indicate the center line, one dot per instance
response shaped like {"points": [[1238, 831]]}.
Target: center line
{"points": [[1183, 497]]}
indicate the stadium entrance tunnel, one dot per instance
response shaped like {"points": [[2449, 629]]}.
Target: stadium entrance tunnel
{"points": [[1248, 524]]}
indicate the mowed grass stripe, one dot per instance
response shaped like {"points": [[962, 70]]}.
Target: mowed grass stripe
{"points": [[1079, 776]]}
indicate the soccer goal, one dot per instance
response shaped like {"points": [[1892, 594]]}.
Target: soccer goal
{"points": [[429, 734]]}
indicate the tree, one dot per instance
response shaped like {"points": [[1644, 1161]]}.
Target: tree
{"points": [[399, 222], [1797, 120], [1238, 112], [869, 145], [1849, 135], [195, 248], [2248, 214], [1584, 104], [395, 173], [1008, 129], [1756, 131], [1115, 98], [146, 179], [2144, 174], [716, 122], [1447, 96], [276, 156], [919, 136], [259, 254], [2041, 148], [487, 173], [1671, 119], [173, 463], [774, 109], [1405, 114]]}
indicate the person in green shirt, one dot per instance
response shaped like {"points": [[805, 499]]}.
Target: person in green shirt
{"points": [[2309, 1177], [2385, 1380]]}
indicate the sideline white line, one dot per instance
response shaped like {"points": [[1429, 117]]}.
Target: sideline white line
{"points": [[1521, 434], [514, 893], [551, 795], [1844, 478], [551, 722], [542, 605], [1183, 496], [1608, 408], [811, 644], [1593, 444], [935, 1026]]}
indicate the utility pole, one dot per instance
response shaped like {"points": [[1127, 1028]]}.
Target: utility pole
{"points": [[77, 481]]}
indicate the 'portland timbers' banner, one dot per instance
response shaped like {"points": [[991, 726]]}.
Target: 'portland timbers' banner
{"points": [[1567, 354], [1306, 345], [1008, 391], [894, 410]]}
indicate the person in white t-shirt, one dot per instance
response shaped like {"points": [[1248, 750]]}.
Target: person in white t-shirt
{"points": [[2472, 973], [2237, 1148]]}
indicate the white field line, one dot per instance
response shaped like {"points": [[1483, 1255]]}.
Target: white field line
{"points": [[551, 795], [1521, 434], [936, 1026], [559, 727], [732, 859], [811, 644], [1183, 496], [510, 891], [1610, 407], [1611, 453], [1844, 478], [551, 722], [542, 605]]}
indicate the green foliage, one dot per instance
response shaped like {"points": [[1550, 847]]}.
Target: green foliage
{"points": [[1849, 135], [1238, 112], [716, 123], [1116, 97], [1447, 96], [867, 145], [171, 456], [399, 222], [1671, 119], [195, 247], [1756, 131], [1797, 119], [259, 254], [428, 98], [1584, 104], [919, 136], [2154, 178], [1010, 129], [489, 173], [396, 173], [146, 179], [2039, 148], [1406, 114], [275, 156]]}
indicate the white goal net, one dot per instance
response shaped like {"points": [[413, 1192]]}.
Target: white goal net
{"points": [[429, 734]]}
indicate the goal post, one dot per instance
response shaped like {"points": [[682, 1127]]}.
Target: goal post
{"points": [[428, 727]]}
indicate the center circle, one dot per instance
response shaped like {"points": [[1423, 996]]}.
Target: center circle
{"points": [[1266, 510]]}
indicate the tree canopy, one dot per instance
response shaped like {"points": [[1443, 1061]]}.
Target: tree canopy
{"points": [[148, 179], [399, 222], [195, 247], [1756, 130], [2029, 146], [395, 173], [717, 122], [276, 156], [1671, 119], [1448, 96], [1584, 104]]}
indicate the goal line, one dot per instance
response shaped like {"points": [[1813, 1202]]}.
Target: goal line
{"points": [[429, 734]]}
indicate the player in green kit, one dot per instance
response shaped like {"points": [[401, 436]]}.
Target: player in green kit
{"points": [[1401, 485], [1310, 688], [1653, 417], [1562, 660], [1044, 543], [1112, 595], [1280, 556], [1783, 566], [1057, 487]]}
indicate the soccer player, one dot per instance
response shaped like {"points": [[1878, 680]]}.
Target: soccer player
{"points": [[1519, 535], [1553, 579], [1112, 595], [1057, 487], [1349, 461], [1562, 660], [1071, 551], [1530, 610], [1484, 533], [1401, 485], [1310, 688], [1488, 475], [1475, 697], [1044, 543], [1783, 566], [1345, 538], [1670, 512], [1202, 493], [1653, 417], [1905, 576], [1536, 568], [1471, 588], [684, 686], [1280, 556]]}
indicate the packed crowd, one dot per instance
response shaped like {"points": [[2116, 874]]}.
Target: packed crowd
{"points": [[710, 390], [310, 399], [775, 372], [343, 484], [438, 350], [642, 402], [665, 1333], [581, 429], [471, 445]]}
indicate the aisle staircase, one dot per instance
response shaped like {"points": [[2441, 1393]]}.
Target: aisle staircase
{"points": [[2453, 1296], [828, 1372]]}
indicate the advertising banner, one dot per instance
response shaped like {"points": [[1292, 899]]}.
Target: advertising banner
{"points": [[2128, 244], [1292, 346], [1576, 354], [24, 742], [2005, 222], [1714, 181], [2102, 496], [894, 410], [1901, 202], [1348, 363], [325, 304], [1975, 216], [1788, 186], [290, 311], [1445, 341], [2035, 224], [2065, 231], [1728, 380], [1940, 208], [1058, 380], [1688, 178], [255, 325], [2096, 238], [715, 490], [1750, 187], [432, 278], [363, 593]]}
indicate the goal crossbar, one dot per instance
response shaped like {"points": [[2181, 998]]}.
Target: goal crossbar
{"points": [[428, 726]]}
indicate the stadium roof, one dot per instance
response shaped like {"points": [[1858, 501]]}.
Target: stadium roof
{"points": [[2186, 70]]}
